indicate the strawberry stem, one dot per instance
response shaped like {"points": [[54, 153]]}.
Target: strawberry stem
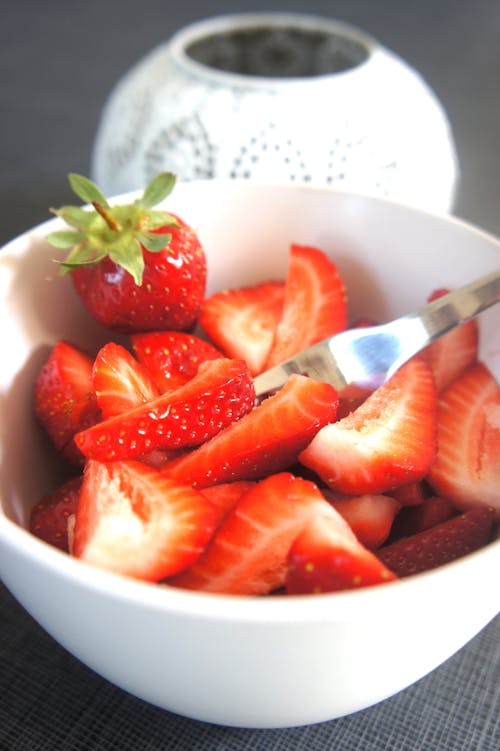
{"points": [[106, 215]]}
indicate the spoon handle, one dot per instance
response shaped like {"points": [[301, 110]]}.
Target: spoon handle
{"points": [[459, 306], [369, 356]]}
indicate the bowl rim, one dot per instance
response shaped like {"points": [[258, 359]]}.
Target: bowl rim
{"points": [[241, 185], [277, 609], [167, 599]]}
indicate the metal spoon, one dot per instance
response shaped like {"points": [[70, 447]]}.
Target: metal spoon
{"points": [[367, 357]]}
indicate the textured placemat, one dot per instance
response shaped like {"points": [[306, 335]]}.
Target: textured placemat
{"points": [[50, 701]]}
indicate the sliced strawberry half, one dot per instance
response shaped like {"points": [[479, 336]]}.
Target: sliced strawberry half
{"points": [[363, 322], [454, 352], [225, 496], [351, 398], [49, 518], [327, 557], [441, 544], [414, 519], [64, 399], [247, 555], [120, 382], [266, 440], [411, 493], [158, 458], [242, 322], [135, 521], [220, 393], [369, 516], [389, 440], [172, 357], [314, 306], [467, 467]]}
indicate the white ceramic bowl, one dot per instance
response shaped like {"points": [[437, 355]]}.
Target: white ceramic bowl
{"points": [[230, 660]]}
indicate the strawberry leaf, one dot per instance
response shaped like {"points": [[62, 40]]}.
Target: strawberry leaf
{"points": [[81, 255], [129, 256], [75, 216], [65, 238], [119, 232], [158, 189], [86, 189], [154, 243], [156, 219]]}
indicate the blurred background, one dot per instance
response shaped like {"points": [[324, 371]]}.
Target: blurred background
{"points": [[59, 60]]}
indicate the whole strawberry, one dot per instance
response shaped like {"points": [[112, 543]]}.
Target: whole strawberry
{"points": [[135, 268]]}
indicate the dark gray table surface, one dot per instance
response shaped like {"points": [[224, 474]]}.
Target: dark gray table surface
{"points": [[58, 61]]}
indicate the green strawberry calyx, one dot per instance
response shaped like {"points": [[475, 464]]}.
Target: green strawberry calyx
{"points": [[119, 232]]}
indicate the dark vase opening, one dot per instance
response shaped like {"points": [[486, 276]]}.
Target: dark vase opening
{"points": [[285, 51]]}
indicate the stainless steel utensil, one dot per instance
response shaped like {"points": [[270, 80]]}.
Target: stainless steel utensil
{"points": [[367, 357]]}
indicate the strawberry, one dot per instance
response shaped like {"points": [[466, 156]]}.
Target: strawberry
{"points": [[247, 554], [158, 458], [363, 322], [450, 355], [441, 544], [242, 322], [314, 306], [327, 557], [135, 521], [351, 398], [135, 269], [266, 440], [410, 494], [120, 382], [172, 357], [64, 400], [369, 516], [221, 392], [49, 518], [467, 466], [413, 519], [224, 497], [389, 440]]}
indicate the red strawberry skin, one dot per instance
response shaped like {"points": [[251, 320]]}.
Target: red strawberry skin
{"points": [[410, 494], [327, 557], [134, 521], [169, 297], [441, 544], [49, 518], [413, 519], [219, 394], [369, 516], [172, 358], [266, 440], [243, 322], [467, 466], [247, 555], [388, 441], [64, 399], [119, 381], [314, 306], [225, 496], [450, 355]]}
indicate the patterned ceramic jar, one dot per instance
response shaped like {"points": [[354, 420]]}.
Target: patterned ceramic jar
{"points": [[278, 98]]}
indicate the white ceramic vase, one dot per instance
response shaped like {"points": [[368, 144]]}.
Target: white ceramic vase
{"points": [[278, 98]]}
